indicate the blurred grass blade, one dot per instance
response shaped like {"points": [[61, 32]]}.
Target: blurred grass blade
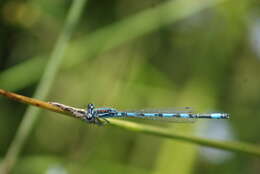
{"points": [[23, 74], [44, 86], [110, 37], [135, 26]]}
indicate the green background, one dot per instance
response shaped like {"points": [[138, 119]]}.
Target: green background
{"points": [[133, 55]]}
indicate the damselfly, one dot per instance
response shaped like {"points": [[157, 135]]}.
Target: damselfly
{"points": [[92, 114]]}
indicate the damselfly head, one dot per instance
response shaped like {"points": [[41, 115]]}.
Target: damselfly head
{"points": [[90, 112], [91, 106]]}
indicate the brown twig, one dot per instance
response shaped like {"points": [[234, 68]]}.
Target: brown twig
{"points": [[38, 103]]}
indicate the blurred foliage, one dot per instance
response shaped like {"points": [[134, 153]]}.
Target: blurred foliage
{"points": [[208, 60]]}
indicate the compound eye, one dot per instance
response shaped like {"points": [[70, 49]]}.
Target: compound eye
{"points": [[90, 106]]}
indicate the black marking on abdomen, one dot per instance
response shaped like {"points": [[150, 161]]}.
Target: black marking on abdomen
{"points": [[178, 116]]}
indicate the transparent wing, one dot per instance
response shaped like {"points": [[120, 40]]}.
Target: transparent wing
{"points": [[160, 119], [164, 110], [153, 114]]}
